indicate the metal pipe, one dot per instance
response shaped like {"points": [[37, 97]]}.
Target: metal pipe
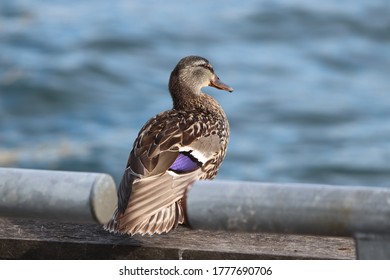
{"points": [[288, 208], [57, 195]]}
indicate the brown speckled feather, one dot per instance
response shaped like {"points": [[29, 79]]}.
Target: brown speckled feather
{"points": [[172, 150]]}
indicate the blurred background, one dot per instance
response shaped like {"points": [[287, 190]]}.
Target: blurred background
{"points": [[78, 79]]}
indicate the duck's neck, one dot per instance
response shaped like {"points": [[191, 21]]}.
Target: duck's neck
{"points": [[184, 95]]}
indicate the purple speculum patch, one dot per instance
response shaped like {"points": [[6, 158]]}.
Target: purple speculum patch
{"points": [[184, 163]]}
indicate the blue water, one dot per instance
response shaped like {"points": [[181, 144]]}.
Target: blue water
{"points": [[311, 104]]}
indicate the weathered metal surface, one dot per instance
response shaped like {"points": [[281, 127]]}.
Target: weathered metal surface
{"points": [[372, 246], [56, 195], [288, 208]]}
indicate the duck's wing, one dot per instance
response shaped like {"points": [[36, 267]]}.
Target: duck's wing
{"points": [[172, 150]]}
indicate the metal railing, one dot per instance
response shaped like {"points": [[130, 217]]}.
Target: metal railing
{"points": [[359, 212], [56, 195]]}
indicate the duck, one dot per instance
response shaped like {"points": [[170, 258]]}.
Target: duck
{"points": [[173, 150]]}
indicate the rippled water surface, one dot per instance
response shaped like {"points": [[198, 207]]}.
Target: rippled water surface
{"points": [[78, 79]]}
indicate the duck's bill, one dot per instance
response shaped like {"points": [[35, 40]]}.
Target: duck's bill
{"points": [[220, 85]]}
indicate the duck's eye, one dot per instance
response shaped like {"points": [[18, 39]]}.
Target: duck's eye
{"points": [[208, 66]]}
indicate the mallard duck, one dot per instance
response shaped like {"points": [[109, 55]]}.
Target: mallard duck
{"points": [[173, 150]]}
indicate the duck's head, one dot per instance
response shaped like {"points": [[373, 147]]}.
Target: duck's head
{"points": [[191, 74]]}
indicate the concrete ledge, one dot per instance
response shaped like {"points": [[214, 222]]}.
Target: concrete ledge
{"points": [[34, 239]]}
